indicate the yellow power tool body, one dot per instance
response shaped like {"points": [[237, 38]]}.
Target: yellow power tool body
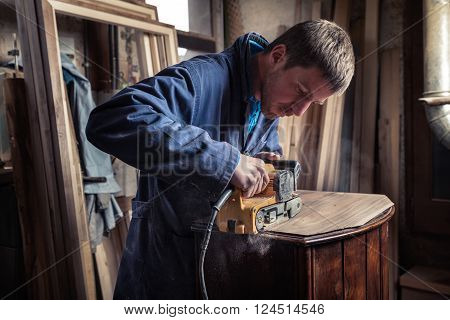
{"points": [[277, 203]]}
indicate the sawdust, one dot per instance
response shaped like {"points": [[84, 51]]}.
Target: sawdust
{"points": [[247, 245], [259, 244], [232, 252]]}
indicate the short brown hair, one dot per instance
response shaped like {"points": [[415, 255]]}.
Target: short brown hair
{"points": [[322, 44]]}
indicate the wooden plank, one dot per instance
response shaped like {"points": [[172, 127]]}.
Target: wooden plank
{"points": [[355, 267], [309, 272], [68, 173], [316, 9], [369, 101], [164, 59], [144, 54], [373, 265], [45, 249], [155, 54], [118, 7], [98, 55], [305, 9], [217, 23], [327, 9], [389, 144], [35, 249], [328, 271], [356, 137], [88, 273], [125, 205], [329, 144], [357, 36], [384, 261], [106, 275]]}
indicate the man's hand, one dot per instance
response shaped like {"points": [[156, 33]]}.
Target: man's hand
{"points": [[250, 176], [268, 155]]}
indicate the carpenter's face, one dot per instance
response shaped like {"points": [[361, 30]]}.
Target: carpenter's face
{"points": [[287, 92]]}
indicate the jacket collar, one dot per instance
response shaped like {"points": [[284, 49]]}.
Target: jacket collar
{"points": [[242, 46]]}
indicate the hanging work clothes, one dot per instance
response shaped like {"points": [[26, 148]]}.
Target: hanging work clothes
{"points": [[101, 206]]}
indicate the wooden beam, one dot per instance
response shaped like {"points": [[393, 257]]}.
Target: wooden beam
{"points": [[168, 32], [195, 41], [369, 98], [118, 7], [357, 35], [316, 9], [43, 285], [217, 24], [389, 145]]}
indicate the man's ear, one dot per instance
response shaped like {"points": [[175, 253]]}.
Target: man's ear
{"points": [[278, 54]]}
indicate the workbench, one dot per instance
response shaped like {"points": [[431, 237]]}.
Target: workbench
{"points": [[335, 248]]}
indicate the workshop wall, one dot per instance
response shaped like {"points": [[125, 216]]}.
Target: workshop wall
{"points": [[269, 18]]}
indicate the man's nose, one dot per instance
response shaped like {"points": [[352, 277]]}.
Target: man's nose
{"points": [[301, 108]]}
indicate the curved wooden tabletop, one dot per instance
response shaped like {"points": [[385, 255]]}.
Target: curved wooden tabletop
{"points": [[332, 235]]}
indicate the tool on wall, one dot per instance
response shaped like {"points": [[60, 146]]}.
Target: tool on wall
{"points": [[239, 215], [15, 53]]}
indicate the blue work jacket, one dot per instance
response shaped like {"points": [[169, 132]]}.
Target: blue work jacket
{"points": [[184, 129]]}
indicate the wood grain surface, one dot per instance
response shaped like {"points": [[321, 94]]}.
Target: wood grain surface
{"points": [[331, 211]]}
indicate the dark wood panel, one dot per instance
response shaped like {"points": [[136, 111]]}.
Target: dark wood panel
{"points": [[195, 41], [327, 271], [373, 265], [99, 53], [250, 267], [309, 265], [38, 251], [355, 268], [384, 258]]}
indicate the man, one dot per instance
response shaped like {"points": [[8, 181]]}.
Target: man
{"points": [[199, 126]]}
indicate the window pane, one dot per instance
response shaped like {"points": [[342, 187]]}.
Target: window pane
{"points": [[174, 12]]}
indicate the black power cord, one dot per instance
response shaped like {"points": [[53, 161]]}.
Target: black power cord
{"points": [[215, 209]]}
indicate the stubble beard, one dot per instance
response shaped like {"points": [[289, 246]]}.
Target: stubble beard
{"points": [[266, 96]]}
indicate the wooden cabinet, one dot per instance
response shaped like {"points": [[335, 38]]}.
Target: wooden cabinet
{"points": [[348, 263]]}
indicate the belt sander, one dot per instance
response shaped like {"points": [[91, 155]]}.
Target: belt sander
{"points": [[277, 203]]}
